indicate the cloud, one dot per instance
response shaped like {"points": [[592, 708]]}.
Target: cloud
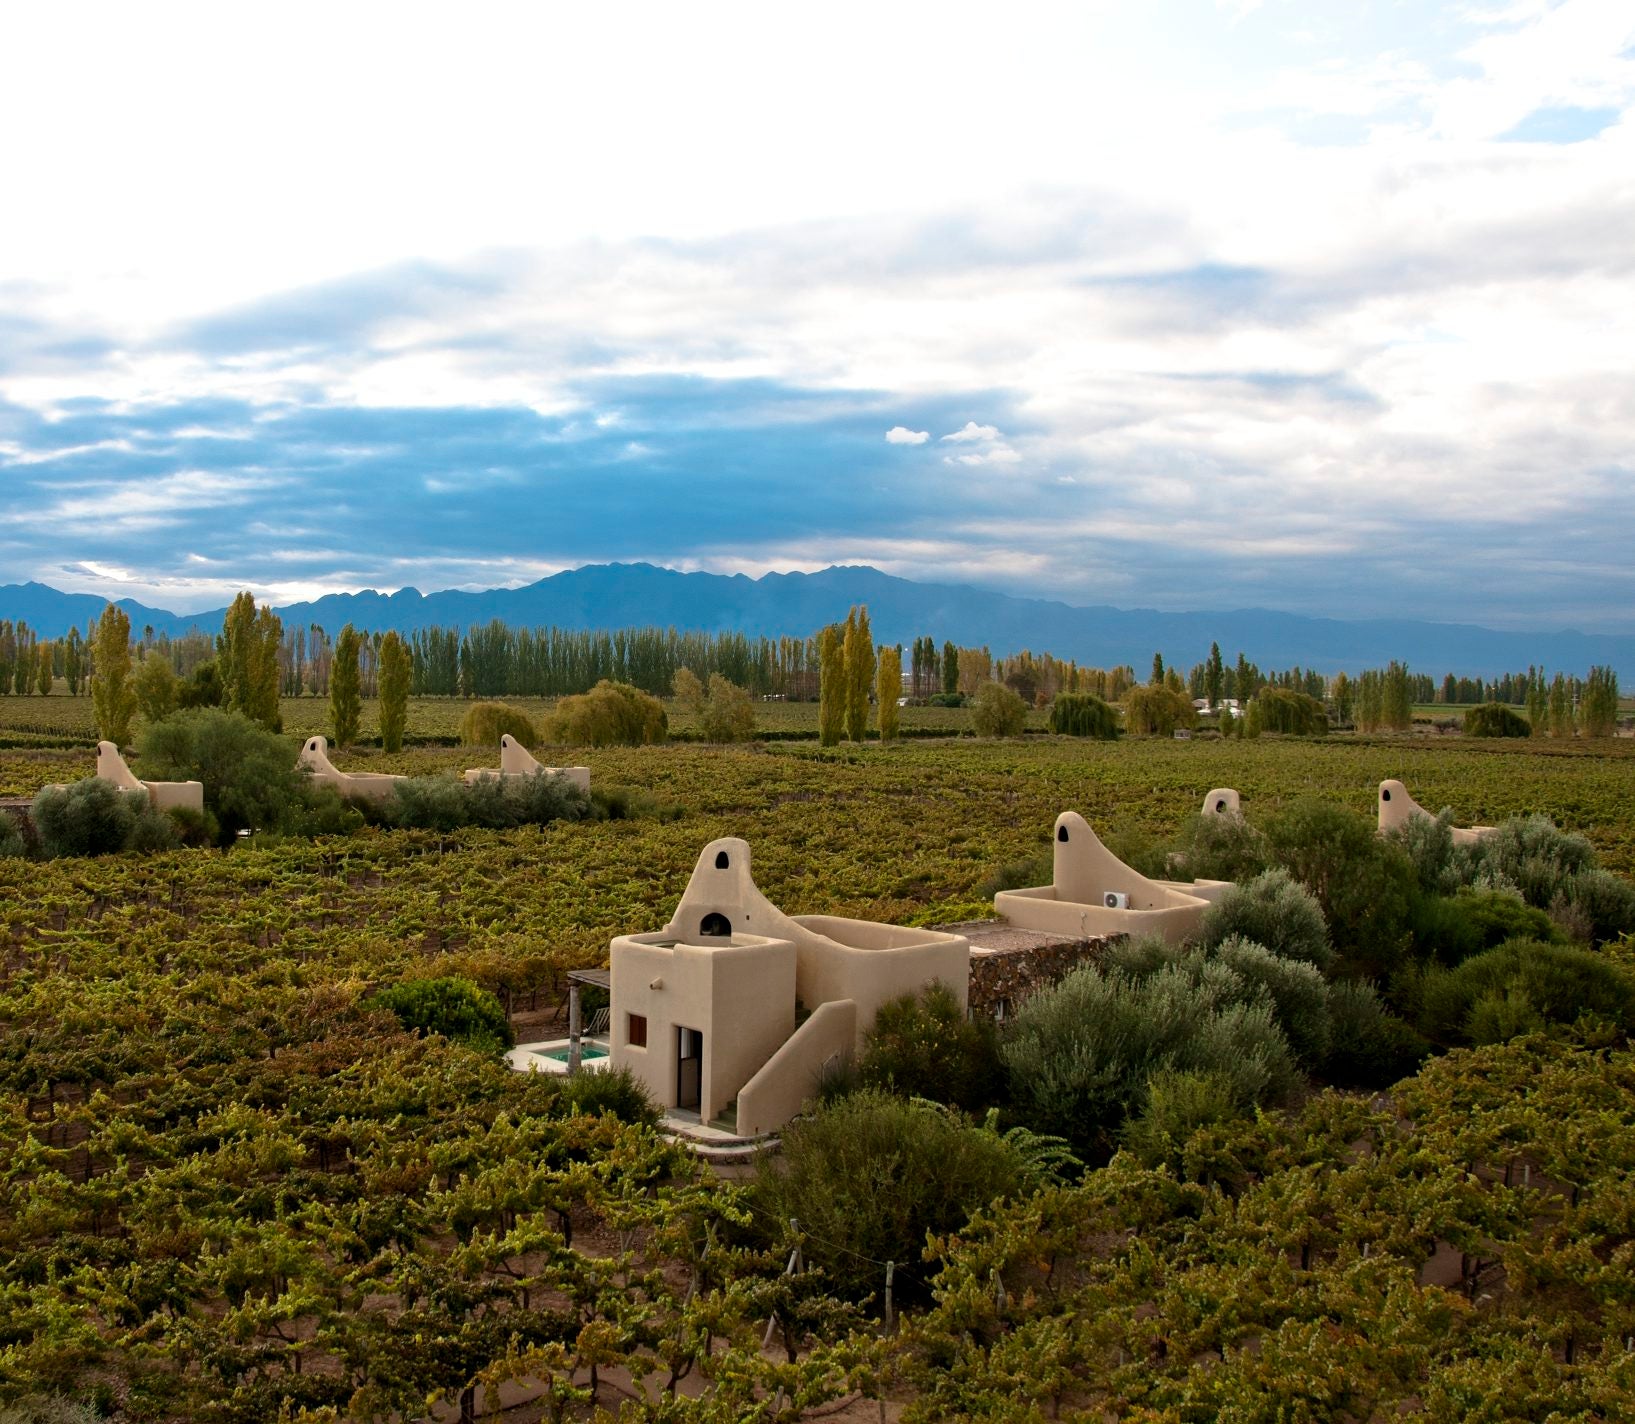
{"points": [[902, 435], [972, 431]]}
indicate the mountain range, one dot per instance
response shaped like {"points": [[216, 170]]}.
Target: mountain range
{"points": [[797, 604]]}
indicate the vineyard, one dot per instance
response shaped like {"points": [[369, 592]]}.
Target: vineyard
{"points": [[231, 1187]]}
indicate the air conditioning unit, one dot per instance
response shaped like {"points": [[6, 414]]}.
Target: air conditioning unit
{"points": [[1116, 900]]}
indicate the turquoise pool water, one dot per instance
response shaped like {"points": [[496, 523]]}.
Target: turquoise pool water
{"points": [[586, 1053]]}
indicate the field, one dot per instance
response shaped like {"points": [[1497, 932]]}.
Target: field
{"points": [[191, 1027]]}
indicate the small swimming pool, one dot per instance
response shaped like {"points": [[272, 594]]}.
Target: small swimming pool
{"points": [[587, 1052]]}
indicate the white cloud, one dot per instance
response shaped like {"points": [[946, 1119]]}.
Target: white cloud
{"points": [[972, 431], [902, 435]]}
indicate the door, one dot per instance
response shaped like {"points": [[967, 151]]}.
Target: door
{"points": [[689, 1068]]}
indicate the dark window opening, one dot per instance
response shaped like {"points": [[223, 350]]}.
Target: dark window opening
{"points": [[1385, 796], [636, 1030], [1061, 833], [1220, 805], [715, 923], [721, 860]]}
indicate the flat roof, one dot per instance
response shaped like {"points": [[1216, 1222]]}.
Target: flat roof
{"points": [[597, 978]]}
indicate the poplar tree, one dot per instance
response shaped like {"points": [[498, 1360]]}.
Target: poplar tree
{"points": [[950, 668], [345, 695], [42, 681], [1214, 677], [1157, 678], [72, 660], [396, 673], [831, 687], [859, 654], [888, 688], [1598, 708], [1561, 708], [113, 699], [1538, 701]]}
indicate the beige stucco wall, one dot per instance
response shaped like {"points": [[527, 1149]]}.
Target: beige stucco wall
{"points": [[517, 760], [792, 1075], [1223, 801], [362, 785], [1084, 871], [836, 958], [166, 795], [739, 993], [1397, 808]]}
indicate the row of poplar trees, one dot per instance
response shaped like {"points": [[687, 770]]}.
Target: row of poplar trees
{"points": [[848, 670]]}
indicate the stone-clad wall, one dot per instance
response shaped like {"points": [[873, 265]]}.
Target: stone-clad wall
{"points": [[1009, 964]]}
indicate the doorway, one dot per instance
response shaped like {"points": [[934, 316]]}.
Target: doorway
{"points": [[689, 1068]]}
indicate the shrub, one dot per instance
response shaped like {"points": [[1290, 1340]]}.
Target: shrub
{"points": [[1297, 990], [924, 1046], [1519, 986], [996, 711], [869, 1175], [1451, 928], [13, 843], [1221, 848], [453, 1007], [1175, 1105], [47, 1409], [1427, 841], [1368, 1047], [1281, 709], [727, 714], [152, 831], [249, 775], [609, 1090], [486, 722], [1534, 856], [945, 699], [1272, 910], [1364, 884], [611, 714], [1153, 711], [1598, 904], [1081, 1052], [323, 811], [1494, 719], [446, 803], [1082, 714], [91, 817]]}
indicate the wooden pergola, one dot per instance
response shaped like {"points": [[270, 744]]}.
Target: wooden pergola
{"points": [[597, 979]]}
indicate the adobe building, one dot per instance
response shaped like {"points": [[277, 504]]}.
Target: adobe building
{"points": [[735, 1011], [1397, 808]]}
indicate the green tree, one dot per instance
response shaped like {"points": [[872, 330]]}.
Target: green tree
{"points": [[73, 660], [345, 688], [1214, 677], [611, 714], [1396, 698], [486, 722], [43, 674], [248, 772], [831, 687], [888, 688], [858, 650], [1494, 719], [1157, 711], [1083, 714], [689, 692], [729, 714], [1598, 707], [156, 687], [396, 674], [950, 669], [247, 655], [1157, 678], [1340, 693], [112, 697], [1538, 702], [1561, 707], [996, 711]]}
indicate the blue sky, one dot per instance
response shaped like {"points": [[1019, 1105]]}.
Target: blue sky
{"points": [[1316, 307]]}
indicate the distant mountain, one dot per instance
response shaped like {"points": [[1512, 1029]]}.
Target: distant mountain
{"points": [[777, 605]]}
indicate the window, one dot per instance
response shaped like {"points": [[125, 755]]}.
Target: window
{"points": [[1061, 833], [715, 923], [721, 861], [635, 1033]]}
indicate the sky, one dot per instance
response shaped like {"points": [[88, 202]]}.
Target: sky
{"points": [[1319, 307]]}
